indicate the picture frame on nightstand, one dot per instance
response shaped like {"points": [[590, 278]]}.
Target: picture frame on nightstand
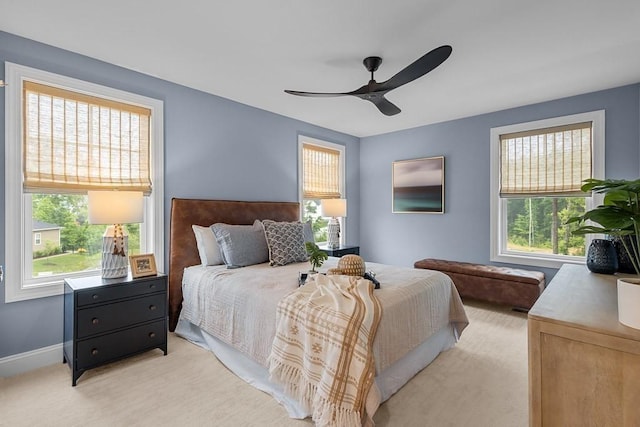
{"points": [[143, 265]]}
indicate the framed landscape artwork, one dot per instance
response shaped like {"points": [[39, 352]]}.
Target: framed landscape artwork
{"points": [[418, 186]]}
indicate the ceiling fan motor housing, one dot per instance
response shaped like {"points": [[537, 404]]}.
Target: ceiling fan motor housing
{"points": [[372, 63]]}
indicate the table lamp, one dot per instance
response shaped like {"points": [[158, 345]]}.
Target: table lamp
{"points": [[333, 208], [115, 208]]}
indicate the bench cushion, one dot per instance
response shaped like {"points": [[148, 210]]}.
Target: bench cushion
{"points": [[503, 285], [491, 271]]}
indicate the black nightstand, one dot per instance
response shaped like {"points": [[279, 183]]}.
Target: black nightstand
{"points": [[341, 251], [109, 319]]}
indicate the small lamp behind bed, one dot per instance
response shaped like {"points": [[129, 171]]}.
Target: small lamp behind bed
{"points": [[333, 208]]}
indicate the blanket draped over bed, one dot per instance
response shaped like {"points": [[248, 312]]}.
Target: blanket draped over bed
{"points": [[238, 306], [322, 352]]}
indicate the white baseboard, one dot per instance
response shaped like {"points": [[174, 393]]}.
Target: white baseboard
{"points": [[30, 360]]}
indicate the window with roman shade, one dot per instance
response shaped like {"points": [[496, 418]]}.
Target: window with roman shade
{"points": [[63, 137], [537, 171], [321, 172], [77, 142], [546, 162], [321, 175]]}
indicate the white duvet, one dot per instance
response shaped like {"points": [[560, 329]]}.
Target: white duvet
{"points": [[238, 306]]}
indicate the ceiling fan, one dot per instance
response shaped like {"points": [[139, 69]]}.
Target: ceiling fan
{"points": [[374, 91]]}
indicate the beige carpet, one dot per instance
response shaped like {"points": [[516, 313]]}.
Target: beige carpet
{"points": [[481, 382]]}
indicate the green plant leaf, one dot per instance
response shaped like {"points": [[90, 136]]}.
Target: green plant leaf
{"points": [[590, 229], [316, 256], [618, 216]]}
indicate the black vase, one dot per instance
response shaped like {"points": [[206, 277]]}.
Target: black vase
{"points": [[602, 257], [624, 261]]}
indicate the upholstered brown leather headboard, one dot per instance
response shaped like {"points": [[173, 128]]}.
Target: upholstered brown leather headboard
{"points": [[182, 243]]}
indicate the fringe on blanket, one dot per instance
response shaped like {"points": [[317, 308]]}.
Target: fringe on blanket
{"points": [[324, 413]]}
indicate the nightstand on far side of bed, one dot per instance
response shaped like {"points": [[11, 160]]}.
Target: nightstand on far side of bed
{"points": [[341, 250]]}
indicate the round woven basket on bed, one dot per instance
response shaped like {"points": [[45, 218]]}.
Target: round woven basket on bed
{"points": [[352, 265]]}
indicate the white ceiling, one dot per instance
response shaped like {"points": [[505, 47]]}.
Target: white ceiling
{"points": [[506, 53]]}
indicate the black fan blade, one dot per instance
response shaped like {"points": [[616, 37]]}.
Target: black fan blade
{"points": [[385, 106], [418, 68], [315, 94]]}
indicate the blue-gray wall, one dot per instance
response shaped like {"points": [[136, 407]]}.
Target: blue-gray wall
{"points": [[214, 148], [462, 233]]}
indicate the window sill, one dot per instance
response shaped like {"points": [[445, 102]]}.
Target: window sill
{"points": [[22, 293], [42, 289], [536, 261]]}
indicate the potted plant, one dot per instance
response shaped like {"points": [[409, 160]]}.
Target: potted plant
{"points": [[316, 256], [618, 216]]}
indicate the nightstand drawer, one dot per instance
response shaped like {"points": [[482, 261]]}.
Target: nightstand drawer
{"points": [[94, 351], [104, 318], [111, 293]]}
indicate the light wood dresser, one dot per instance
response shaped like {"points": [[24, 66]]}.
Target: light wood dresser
{"points": [[584, 366]]}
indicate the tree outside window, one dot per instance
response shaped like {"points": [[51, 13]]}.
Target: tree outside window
{"points": [[80, 243]]}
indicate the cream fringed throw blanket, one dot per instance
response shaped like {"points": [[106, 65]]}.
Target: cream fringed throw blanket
{"points": [[322, 352]]}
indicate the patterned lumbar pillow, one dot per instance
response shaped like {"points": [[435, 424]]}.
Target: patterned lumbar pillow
{"points": [[285, 241]]}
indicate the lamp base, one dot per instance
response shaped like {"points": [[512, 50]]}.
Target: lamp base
{"points": [[114, 265], [333, 234]]}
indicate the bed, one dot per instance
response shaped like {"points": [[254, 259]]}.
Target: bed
{"points": [[422, 311]]}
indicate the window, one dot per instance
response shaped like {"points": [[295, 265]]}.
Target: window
{"points": [[537, 169], [37, 238], [320, 176], [63, 137]]}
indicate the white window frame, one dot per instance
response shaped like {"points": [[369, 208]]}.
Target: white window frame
{"points": [[302, 139], [18, 205], [498, 224], [37, 239]]}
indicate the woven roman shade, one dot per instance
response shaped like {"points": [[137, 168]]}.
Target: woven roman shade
{"points": [[78, 142], [321, 170], [546, 162]]}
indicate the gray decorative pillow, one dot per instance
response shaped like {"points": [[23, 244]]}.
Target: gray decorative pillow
{"points": [[308, 232], [241, 245], [285, 241]]}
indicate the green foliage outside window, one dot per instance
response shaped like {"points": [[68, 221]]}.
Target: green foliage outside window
{"points": [[538, 225], [318, 223], [80, 242]]}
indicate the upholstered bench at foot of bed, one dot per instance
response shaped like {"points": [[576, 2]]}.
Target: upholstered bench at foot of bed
{"points": [[518, 288]]}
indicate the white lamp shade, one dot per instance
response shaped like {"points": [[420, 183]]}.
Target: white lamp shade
{"points": [[115, 207], [333, 207]]}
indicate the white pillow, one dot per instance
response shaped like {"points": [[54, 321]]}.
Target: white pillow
{"points": [[207, 246]]}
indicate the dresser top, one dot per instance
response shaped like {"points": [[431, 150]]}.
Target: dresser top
{"points": [[80, 283], [579, 298]]}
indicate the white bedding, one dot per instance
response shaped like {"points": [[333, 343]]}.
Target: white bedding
{"points": [[233, 312], [388, 381]]}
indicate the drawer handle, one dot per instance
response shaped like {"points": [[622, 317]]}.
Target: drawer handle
{"points": [[94, 351], [152, 334], [152, 286], [152, 307], [95, 320], [95, 296]]}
